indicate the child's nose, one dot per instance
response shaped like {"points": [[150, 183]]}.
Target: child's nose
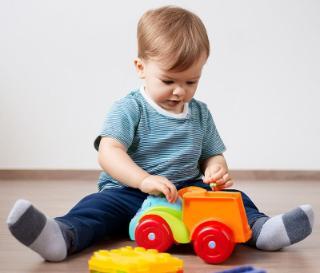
{"points": [[179, 91]]}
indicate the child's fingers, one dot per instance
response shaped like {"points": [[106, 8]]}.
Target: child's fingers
{"points": [[168, 189], [220, 182], [229, 184], [173, 195], [224, 182], [176, 195], [165, 190], [213, 177], [225, 185], [226, 177]]}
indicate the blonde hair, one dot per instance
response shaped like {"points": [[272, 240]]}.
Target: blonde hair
{"points": [[173, 35]]}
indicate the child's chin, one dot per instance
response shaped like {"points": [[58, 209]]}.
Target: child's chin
{"points": [[173, 107]]}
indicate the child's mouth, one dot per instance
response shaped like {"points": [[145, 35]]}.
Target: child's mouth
{"points": [[173, 103]]}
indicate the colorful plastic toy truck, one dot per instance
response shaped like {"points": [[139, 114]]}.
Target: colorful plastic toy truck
{"points": [[134, 260], [213, 221]]}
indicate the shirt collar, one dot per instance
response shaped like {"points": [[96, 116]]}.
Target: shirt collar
{"points": [[162, 111]]}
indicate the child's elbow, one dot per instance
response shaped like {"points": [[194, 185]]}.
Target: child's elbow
{"points": [[108, 150], [99, 158], [102, 152]]}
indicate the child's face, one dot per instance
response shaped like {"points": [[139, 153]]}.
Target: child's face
{"points": [[170, 90]]}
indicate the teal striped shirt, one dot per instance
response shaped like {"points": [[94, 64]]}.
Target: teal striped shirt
{"points": [[161, 143]]}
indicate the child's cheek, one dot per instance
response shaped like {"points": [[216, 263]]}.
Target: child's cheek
{"points": [[163, 94]]}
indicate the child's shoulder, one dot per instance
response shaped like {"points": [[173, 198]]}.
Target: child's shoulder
{"points": [[132, 96], [199, 107], [198, 103], [132, 100]]}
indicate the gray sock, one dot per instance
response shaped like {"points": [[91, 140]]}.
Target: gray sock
{"points": [[33, 229], [283, 230]]}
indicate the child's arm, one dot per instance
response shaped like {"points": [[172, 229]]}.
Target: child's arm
{"points": [[113, 158], [216, 170]]}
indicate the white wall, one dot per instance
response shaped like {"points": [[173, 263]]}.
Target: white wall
{"points": [[62, 63]]}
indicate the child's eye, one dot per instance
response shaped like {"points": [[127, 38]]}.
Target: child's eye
{"points": [[191, 82], [167, 82]]}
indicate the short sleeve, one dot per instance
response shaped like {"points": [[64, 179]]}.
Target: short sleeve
{"points": [[212, 142], [121, 122]]}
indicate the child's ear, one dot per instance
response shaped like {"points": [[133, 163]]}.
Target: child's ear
{"points": [[140, 67]]}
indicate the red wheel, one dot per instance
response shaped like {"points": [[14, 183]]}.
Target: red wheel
{"points": [[153, 232], [213, 242]]}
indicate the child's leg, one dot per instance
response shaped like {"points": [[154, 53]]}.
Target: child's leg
{"points": [[94, 217], [35, 230], [274, 233]]}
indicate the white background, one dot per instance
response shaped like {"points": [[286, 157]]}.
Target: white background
{"points": [[62, 64]]}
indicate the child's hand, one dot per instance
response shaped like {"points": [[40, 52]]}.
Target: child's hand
{"points": [[156, 185], [218, 174]]}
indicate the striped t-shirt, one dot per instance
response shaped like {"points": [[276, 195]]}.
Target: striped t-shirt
{"points": [[160, 142]]}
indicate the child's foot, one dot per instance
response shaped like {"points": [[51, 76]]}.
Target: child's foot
{"points": [[283, 230], [36, 231]]}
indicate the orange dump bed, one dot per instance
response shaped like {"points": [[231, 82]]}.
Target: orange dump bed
{"points": [[200, 206]]}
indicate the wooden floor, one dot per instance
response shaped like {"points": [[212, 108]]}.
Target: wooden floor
{"points": [[55, 197]]}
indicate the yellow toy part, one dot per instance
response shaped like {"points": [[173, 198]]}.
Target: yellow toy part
{"points": [[134, 260]]}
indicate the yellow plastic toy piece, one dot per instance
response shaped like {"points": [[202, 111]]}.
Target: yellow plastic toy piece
{"points": [[134, 260]]}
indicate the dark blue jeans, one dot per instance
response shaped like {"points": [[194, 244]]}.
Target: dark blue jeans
{"points": [[108, 213]]}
